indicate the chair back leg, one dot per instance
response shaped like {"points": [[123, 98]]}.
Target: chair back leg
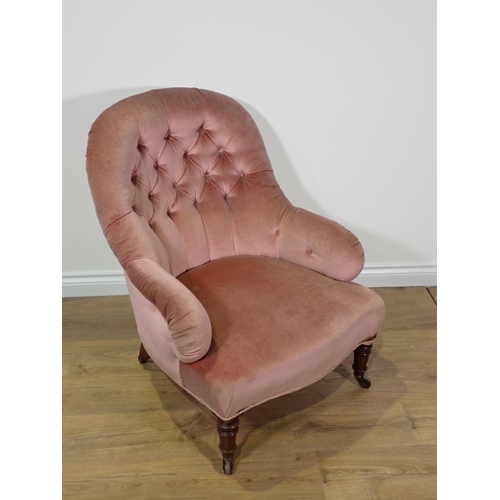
{"points": [[143, 355]]}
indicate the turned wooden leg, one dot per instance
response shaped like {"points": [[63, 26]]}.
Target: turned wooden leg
{"points": [[227, 442], [361, 355], [143, 355]]}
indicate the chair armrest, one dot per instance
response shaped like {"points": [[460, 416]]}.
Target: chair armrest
{"points": [[186, 317], [320, 244]]}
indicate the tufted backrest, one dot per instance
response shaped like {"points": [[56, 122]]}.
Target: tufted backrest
{"points": [[182, 176]]}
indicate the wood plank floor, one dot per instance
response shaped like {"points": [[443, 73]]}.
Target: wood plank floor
{"points": [[131, 433]]}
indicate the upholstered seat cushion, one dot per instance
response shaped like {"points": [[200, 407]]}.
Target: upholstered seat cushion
{"points": [[276, 327]]}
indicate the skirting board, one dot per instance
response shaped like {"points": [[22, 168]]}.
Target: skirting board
{"points": [[101, 283], [382, 276]]}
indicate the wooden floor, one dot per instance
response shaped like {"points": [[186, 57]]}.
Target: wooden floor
{"points": [[131, 433]]}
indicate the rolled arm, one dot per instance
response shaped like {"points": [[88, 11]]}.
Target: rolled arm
{"points": [[320, 244], [187, 319]]}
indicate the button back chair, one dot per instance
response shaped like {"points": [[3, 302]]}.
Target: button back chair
{"points": [[239, 297]]}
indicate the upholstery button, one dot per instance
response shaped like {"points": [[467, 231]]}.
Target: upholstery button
{"points": [[174, 185], [155, 166], [309, 251], [167, 137], [225, 196], [220, 150], [195, 203], [277, 232], [242, 174]]}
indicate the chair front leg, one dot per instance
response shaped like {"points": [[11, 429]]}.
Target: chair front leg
{"points": [[361, 355], [227, 442]]}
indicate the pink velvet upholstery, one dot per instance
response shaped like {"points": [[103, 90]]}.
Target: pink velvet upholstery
{"points": [[238, 295], [276, 327]]}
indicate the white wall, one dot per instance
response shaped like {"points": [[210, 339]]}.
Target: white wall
{"points": [[344, 93]]}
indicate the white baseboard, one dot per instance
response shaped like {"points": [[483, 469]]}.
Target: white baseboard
{"points": [[101, 283], [94, 284], [387, 275]]}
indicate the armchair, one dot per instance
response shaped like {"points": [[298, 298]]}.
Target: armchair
{"points": [[239, 297]]}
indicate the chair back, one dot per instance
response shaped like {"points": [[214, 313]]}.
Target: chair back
{"points": [[182, 176]]}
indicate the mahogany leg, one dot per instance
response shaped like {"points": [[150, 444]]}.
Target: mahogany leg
{"points": [[361, 355], [227, 442], [143, 355]]}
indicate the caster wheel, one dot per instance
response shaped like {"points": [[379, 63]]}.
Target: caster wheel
{"points": [[227, 466], [364, 382]]}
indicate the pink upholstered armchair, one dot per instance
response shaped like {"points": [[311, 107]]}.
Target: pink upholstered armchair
{"points": [[239, 297]]}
